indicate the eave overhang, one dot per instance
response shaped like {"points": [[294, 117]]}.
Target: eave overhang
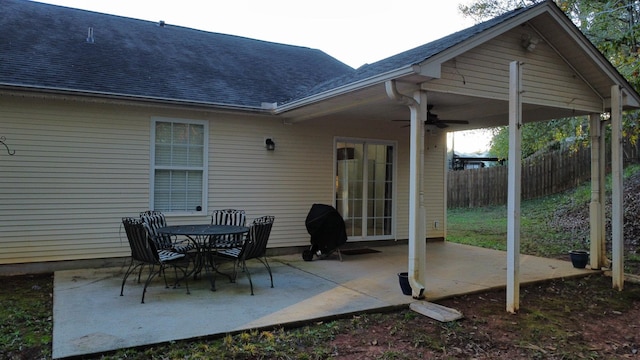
{"points": [[407, 71], [105, 97]]}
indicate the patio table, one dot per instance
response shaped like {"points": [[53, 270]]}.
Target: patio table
{"points": [[204, 236]]}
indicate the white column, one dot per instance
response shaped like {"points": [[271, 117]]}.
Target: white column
{"points": [[596, 216], [606, 262], [514, 187], [617, 211]]}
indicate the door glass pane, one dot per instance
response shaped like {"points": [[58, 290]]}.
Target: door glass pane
{"points": [[379, 190], [349, 186], [364, 187]]}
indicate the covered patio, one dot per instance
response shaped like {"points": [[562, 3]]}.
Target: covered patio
{"points": [[90, 317], [528, 65]]}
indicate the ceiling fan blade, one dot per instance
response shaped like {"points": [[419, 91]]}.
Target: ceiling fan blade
{"points": [[465, 122], [441, 125]]}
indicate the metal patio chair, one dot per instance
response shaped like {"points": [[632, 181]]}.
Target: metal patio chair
{"points": [[145, 253], [254, 247], [227, 217], [154, 220]]}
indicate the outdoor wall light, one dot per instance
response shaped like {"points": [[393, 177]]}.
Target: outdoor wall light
{"points": [[529, 43], [269, 144]]}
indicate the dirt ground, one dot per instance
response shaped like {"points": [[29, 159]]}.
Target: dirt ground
{"points": [[563, 319], [579, 318]]}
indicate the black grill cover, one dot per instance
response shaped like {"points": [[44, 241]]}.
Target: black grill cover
{"points": [[326, 227]]}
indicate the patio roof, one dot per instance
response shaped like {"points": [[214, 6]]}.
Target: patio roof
{"points": [[361, 95]]}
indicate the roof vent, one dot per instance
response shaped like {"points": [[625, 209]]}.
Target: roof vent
{"points": [[90, 38], [161, 23]]}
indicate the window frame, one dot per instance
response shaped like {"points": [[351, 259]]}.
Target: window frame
{"points": [[204, 168]]}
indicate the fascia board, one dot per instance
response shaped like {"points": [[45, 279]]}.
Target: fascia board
{"points": [[596, 56], [348, 88], [105, 97]]}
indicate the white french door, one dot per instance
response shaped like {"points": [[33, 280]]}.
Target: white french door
{"points": [[364, 187]]}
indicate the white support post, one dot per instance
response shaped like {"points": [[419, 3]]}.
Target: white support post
{"points": [[606, 262], [596, 216], [617, 209], [514, 187]]}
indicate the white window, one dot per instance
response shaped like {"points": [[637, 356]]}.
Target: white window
{"points": [[179, 165]]}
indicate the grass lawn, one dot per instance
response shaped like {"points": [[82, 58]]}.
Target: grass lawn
{"points": [[487, 227]]}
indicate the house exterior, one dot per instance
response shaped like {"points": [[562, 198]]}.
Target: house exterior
{"points": [[110, 116]]}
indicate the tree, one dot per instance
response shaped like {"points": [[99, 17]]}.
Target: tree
{"points": [[542, 136], [614, 28], [481, 10]]}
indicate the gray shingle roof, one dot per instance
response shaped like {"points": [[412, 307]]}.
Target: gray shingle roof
{"points": [[46, 46], [413, 56]]}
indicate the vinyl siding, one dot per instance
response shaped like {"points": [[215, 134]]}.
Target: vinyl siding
{"points": [[547, 79], [435, 186], [73, 176], [80, 167]]}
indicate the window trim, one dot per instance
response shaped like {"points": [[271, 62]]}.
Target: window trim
{"points": [[205, 163]]}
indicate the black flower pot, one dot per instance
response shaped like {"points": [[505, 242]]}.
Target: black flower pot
{"points": [[579, 258], [403, 278]]}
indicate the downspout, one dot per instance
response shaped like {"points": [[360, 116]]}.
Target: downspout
{"points": [[417, 231]]}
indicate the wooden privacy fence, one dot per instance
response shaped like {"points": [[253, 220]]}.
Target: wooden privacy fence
{"points": [[548, 174], [545, 175]]}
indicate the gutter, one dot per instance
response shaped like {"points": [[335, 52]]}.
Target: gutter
{"points": [[417, 231], [115, 97], [350, 87]]}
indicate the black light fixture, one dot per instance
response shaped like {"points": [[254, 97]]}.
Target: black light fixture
{"points": [[529, 42], [270, 145]]}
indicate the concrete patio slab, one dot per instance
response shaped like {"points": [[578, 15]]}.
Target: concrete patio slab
{"points": [[90, 316]]}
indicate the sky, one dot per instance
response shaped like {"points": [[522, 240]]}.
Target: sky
{"points": [[355, 32]]}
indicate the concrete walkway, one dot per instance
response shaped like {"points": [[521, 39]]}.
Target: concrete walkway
{"points": [[89, 316]]}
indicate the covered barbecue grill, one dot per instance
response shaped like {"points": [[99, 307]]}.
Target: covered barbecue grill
{"points": [[327, 229]]}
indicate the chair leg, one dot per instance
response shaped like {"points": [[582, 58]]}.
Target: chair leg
{"points": [[140, 272], [245, 269], [178, 279], [152, 274], [234, 274], [164, 275], [126, 275], [186, 274], [265, 262]]}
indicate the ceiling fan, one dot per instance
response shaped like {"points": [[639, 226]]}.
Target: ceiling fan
{"points": [[432, 119]]}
